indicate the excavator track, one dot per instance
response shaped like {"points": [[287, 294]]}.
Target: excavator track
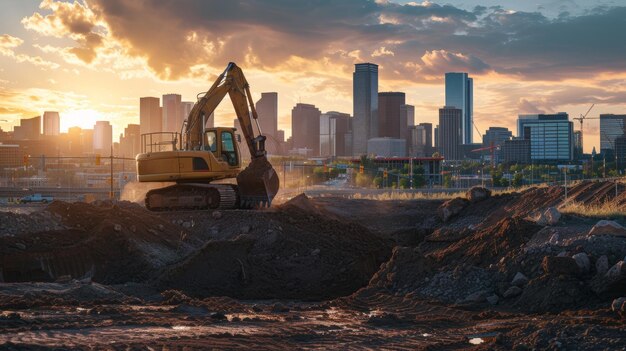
{"points": [[192, 196]]}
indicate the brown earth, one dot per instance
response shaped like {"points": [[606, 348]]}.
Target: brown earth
{"points": [[378, 274]]}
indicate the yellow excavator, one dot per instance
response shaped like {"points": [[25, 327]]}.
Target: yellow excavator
{"points": [[199, 156]]}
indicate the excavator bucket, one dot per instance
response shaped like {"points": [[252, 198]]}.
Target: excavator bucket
{"points": [[258, 184]]}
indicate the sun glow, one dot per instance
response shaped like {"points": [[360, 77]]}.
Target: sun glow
{"points": [[84, 119]]}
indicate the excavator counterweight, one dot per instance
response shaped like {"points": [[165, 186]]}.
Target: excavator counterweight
{"points": [[198, 156]]}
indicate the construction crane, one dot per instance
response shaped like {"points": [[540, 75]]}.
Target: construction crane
{"points": [[491, 149], [581, 119]]}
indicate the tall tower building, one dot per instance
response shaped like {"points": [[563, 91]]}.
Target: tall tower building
{"points": [[102, 137], [51, 123], [185, 109], [365, 106], [389, 105], [172, 117], [611, 127], [150, 120], [450, 132], [305, 128], [267, 109], [460, 94], [407, 119]]}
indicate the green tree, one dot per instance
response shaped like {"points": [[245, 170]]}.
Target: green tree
{"points": [[518, 179]]}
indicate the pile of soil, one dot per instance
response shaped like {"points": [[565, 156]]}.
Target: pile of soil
{"points": [[105, 242], [468, 261], [300, 255]]}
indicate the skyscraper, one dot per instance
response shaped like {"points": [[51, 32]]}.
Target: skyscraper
{"points": [[407, 119], [185, 109], [267, 109], [130, 141], [496, 136], [51, 123], [102, 137], [551, 136], [305, 127], [389, 116], [420, 140], [450, 132], [334, 129], [150, 120], [460, 94], [365, 106], [172, 117], [611, 127]]}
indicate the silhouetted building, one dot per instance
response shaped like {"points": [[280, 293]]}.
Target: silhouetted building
{"points": [[185, 109], [130, 142], [10, 156], [516, 151], [102, 138], [389, 105], [305, 128], [407, 119], [172, 118], [421, 140], [620, 151], [551, 136], [611, 127], [386, 147], [436, 137], [51, 123], [334, 131], [267, 109], [460, 94], [450, 132], [365, 106], [150, 116], [29, 129], [578, 145]]}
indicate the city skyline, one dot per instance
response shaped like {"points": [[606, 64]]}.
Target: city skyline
{"points": [[45, 62]]}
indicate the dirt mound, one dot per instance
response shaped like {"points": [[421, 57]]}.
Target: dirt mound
{"points": [[301, 256], [105, 242]]}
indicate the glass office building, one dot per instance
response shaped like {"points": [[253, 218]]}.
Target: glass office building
{"points": [[460, 94], [551, 136], [365, 106], [611, 128]]}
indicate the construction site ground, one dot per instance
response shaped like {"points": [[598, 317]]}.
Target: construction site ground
{"points": [[484, 273]]}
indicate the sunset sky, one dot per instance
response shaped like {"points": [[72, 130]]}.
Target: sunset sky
{"points": [[92, 60]]}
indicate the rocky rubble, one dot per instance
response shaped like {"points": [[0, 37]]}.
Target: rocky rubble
{"points": [[12, 224]]}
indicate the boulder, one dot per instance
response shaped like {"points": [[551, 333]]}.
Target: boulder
{"points": [[216, 214], [550, 216], [477, 297], [477, 194], [605, 227], [582, 260], [519, 280], [512, 292], [613, 282], [619, 306], [602, 265], [493, 299], [451, 208], [559, 265]]}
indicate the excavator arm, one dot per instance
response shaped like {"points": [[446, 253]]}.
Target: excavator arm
{"points": [[231, 82], [258, 183]]}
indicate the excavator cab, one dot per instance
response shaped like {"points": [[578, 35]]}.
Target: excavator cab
{"points": [[222, 144]]}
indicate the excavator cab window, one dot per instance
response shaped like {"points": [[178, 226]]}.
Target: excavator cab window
{"points": [[228, 148], [210, 142]]}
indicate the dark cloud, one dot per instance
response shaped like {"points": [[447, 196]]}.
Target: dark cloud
{"points": [[175, 35]]}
